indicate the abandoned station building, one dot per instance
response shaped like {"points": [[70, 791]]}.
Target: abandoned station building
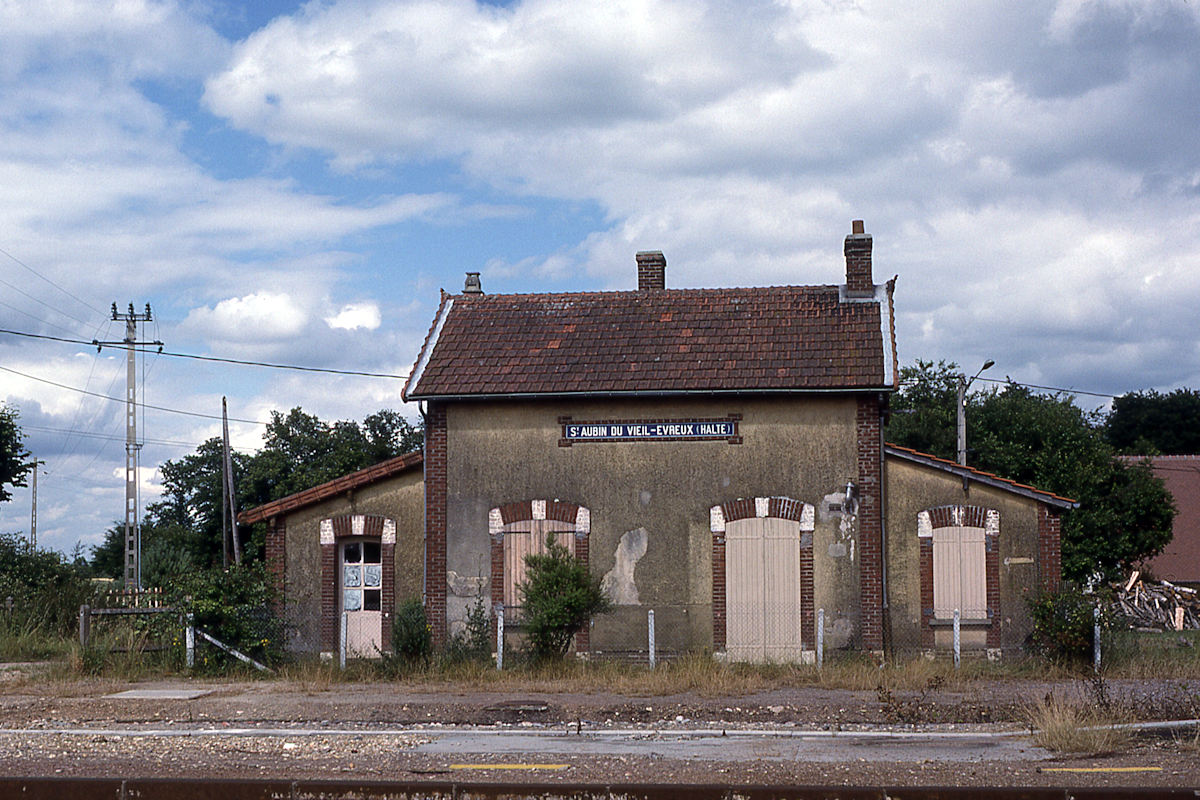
{"points": [[714, 455]]}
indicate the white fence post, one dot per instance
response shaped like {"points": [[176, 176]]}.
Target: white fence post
{"points": [[820, 638], [650, 624], [1096, 638], [189, 641], [957, 639], [343, 624], [500, 637]]}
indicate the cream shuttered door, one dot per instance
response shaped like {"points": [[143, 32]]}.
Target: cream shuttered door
{"points": [[528, 537], [959, 572], [762, 589]]}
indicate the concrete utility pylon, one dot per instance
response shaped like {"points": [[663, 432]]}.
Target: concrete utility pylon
{"points": [[133, 538]]}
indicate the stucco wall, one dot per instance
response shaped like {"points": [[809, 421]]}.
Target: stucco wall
{"points": [[911, 488], [507, 451], [400, 498]]}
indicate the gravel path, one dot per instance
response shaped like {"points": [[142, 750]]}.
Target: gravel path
{"points": [[1163, 761]]}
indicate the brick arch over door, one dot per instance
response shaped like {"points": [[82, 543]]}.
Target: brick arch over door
{"points": [[761, 507], [973, 521], [334, 529], [524, 516]]}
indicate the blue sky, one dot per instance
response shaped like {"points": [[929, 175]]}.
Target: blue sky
{"points": [[294, 182]]}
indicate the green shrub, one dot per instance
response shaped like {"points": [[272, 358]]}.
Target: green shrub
{"points": [[46, 594], [1063, 625], [558, 598], [235, 606], [412, 637]]}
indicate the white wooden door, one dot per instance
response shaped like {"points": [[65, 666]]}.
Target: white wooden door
{"points": [[362, 597], [762, 590]]}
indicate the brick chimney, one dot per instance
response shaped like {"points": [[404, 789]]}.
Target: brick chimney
{"points": [[652, 270], [859, 281]]}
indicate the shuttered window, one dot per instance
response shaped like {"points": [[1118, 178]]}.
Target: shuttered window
{"points": [[528, 537], [959, 572]]}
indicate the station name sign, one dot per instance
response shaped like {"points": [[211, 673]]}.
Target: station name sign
{"points": [[660, 430]]}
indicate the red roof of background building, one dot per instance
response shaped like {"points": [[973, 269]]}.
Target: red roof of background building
{"points": [[784, 338], [1180, 559]]}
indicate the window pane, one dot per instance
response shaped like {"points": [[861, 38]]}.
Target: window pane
{"points": [[371, 553], [351, 575], [352, 600], [371, 599], [353, 553], [372, 575]]}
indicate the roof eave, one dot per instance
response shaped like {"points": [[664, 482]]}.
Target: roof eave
{"points": [[654, 393], [986, 479]]}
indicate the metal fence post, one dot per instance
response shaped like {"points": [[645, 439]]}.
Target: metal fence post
{"points": [[189, 639], [820, 638], [957, 638], [85, 624], [1096, 638], [342, 641], [650, 624], [500, 637]]}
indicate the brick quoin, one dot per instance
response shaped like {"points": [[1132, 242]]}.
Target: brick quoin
{"points": [[435, 521], [870, 520]]}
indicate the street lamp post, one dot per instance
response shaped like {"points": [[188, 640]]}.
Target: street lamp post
{"points": [[963, 386]]}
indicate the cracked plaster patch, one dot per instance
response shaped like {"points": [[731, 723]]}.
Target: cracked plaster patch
{"points": [[618, 584]]}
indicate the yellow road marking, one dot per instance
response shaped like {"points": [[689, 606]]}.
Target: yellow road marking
{"points": [[508, 766], [1101, 769]]}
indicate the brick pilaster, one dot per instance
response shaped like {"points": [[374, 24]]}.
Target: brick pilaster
{"points": [[435, 521], [329, 600], [870, 520], [276, 554], [1049, 548], [387, 552], [926, 567], [718, 590]]}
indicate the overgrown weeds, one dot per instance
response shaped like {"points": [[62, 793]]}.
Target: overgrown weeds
{"points": [[1077, 726]]}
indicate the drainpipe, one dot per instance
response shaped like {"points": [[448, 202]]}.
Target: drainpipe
{"points": [[424, 525], [883, 506]]}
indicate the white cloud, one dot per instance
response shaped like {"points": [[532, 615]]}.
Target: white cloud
{"points": [[354, 316], [251, 318]]}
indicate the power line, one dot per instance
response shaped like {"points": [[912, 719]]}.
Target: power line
{"points": [[108, 437], [122, 400], [52, 283], [1007, 381], [195, 357]]}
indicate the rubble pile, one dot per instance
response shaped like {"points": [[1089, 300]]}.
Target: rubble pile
{"points": [[1157, 605]]}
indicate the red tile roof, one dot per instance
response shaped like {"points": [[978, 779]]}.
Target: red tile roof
{"points": [[355, 480], [971, 473], [784, 338]]}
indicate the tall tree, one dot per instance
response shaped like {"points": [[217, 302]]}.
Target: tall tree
{"points": [[14, 458], [1044, 440], [1149, 423]]}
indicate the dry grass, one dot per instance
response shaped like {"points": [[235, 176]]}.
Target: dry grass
{"points": [[1077, 726]]}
